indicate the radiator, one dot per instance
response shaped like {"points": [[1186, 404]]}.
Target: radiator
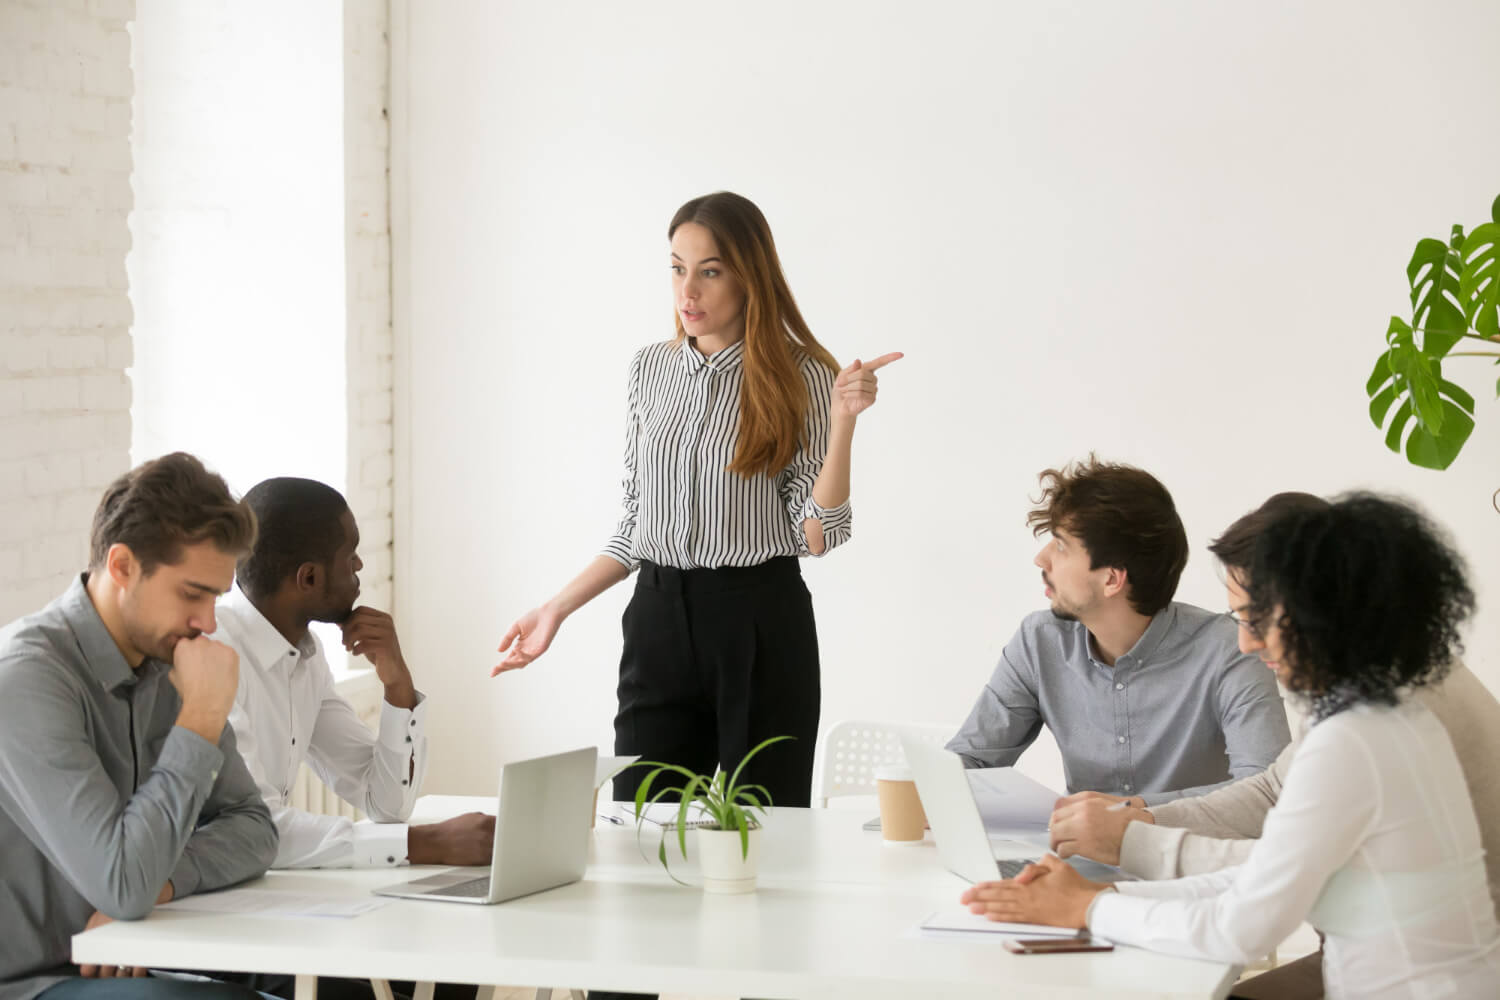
{"points": [[309, 794]]}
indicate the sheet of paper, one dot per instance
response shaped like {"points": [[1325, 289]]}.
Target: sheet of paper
{"points": [[269, 903], [608, 767], [1011, 803], [664, 814], [958, 918]]}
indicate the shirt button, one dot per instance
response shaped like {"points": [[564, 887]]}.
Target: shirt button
{"points": [[1119, 687], [1118, 739], [390, 860], [1127, 788], [408, 739], [403, 780]]}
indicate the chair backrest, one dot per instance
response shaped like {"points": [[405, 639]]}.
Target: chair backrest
{"points": [[851, 751]]}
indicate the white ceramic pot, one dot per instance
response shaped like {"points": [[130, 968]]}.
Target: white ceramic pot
{"points": [[725, 869]]}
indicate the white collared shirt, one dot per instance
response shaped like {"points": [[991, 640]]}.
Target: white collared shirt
{"points": [[682, 505], [286, 712], [1373, 840]]}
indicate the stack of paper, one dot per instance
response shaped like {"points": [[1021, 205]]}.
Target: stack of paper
{"points": [[958, 918]]}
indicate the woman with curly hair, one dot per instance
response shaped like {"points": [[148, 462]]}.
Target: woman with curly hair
{"points": [[1374, 839]]}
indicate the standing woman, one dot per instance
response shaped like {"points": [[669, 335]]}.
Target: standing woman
{"points": [[736, 464]]}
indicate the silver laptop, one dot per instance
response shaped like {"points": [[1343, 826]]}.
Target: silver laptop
{"points": [[963, 844], [541, 835]]}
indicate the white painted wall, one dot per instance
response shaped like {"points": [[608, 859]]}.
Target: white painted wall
{"points": [[238, 268], [262, 260], [65, 89], [1168, 231]]}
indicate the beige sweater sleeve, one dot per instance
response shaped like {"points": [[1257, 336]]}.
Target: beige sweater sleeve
{"points": [[1206, 832]]}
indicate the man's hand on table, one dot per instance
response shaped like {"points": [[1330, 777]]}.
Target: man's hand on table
{"points": [[463, 840], [1093, 825], [118, 971]]}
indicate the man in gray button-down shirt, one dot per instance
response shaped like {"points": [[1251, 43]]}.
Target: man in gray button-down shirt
{"points": [[120, 786], [1148, 698]]}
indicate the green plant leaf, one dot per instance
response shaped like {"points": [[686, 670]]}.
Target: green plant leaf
{"points": [[735, 780], [744, 828], [1392, 410], [1412, 373], [1435, 274], [1479, 284]]}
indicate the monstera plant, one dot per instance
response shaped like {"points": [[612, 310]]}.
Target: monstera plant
{"points": [[1455, 298]]}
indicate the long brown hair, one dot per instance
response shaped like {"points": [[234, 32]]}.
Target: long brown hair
{"points": [[773, 401]]}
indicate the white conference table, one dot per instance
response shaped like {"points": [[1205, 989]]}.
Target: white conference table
{"points": [[835, 916]]}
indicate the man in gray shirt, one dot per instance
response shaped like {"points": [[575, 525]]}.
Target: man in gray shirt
{"points": [[120, 786], [1148, 698]]}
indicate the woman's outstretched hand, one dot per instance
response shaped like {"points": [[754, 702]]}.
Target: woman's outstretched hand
{"points": [[1048, 892], [854, 389], [527, 639]]}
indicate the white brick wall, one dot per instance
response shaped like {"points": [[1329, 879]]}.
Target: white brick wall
{"points": [[65, 90], [368, 252]]}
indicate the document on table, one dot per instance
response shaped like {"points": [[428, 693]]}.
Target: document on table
{"points": [[1011, 804], [270, 903], [664, 814], [959, 919]]}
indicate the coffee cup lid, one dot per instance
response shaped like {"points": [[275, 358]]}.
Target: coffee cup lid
{"points": [[893, 772]]}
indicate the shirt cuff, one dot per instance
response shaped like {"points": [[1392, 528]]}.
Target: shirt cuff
{"points": [[400, 728], [379, 845], [1114, 916], [831, 517], [1095, 902], [618, 549], [833, 520], [1150, 851]]}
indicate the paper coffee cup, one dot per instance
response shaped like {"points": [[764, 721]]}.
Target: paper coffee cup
{"points": [[902, 820]]}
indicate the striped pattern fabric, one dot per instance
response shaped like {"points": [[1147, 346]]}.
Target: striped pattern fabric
{"points": [[683, 507]]}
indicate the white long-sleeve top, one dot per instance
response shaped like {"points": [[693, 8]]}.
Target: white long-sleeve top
{"points": [[1373, 841], [286, 713]]}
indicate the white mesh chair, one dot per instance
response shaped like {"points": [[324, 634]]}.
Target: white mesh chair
{"points": [[851, 751]]}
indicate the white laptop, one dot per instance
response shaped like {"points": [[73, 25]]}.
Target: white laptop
{"points": [[963, 844], [541, 834]]}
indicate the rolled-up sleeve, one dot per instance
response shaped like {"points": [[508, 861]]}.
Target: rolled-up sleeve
{"points": [[799, 477]]}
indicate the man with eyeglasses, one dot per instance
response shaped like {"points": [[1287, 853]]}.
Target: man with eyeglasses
{"points": [[1195, 835]]}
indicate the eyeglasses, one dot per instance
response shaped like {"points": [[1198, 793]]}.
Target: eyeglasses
{"points": [[1248, 624]]}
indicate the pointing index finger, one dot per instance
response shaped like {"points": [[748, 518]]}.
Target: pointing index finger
{"points": [[883, 360]]}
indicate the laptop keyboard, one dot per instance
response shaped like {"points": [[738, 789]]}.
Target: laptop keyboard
{"points": [[475, 888], [1011, 867]]}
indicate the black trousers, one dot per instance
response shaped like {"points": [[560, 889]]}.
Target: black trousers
{"points": [[714, 662]]}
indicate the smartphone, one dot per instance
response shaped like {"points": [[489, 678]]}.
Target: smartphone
{"points": [[1055, 945]]}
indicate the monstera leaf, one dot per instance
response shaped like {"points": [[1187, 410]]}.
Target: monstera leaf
{"points": [[1434, 416], [1479, 287], [1435, 275]]}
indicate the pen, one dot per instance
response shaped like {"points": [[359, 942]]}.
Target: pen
{"points": [[617, 821], [1117, 806]]}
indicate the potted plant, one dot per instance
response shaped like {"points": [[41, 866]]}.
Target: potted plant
{"points": [[1455, 297], [726, 813]]}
